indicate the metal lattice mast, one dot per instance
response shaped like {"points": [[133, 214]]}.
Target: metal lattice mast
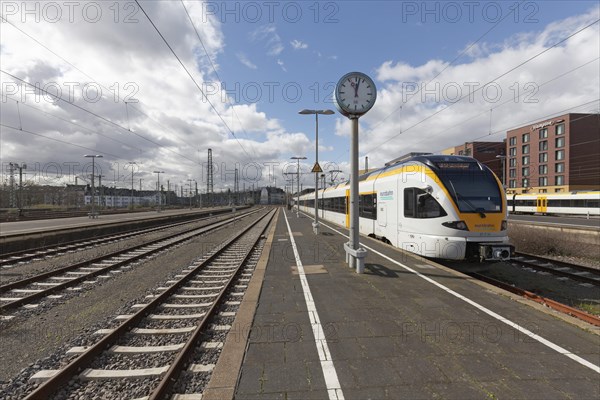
{"points": [[209, 178], [12, 167]]}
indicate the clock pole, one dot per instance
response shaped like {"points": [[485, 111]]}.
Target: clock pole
{"points": [[357, 261], [355, 95]]}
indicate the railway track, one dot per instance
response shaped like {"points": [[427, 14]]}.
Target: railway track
{"points": [[167, 346], [560, 268], [567, 288], [48, 285], [558, 306], [9, 260]]}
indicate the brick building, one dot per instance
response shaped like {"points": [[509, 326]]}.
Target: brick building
{"points": [[556, 155]]}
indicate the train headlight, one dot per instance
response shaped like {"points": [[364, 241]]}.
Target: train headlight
{"points": [[460, 225], [504, 225]]}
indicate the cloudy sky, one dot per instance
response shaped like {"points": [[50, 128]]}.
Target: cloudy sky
{"points": [[160, 82]]}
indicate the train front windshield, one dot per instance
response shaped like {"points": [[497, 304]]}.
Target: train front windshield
{"points": [[474, 190]]}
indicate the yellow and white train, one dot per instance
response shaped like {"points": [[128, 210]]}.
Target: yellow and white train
{"points": [[448, 207], [581, 203]]}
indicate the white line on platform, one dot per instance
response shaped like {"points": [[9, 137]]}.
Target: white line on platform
{"points": [[331, 379], [489, 312]]}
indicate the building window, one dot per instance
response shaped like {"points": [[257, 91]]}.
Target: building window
{"points": [[512, 151], [543, 190], [525, 171], [512, 183], [512, 141], [559, 155], [559, 167], [543, 157], [512, 173], [467, 152], [559, 190], [525, 183], [543, 169], [525, 137], [525, 149], [543, 133], [543, 145], [559, 142], [543, 181], [559, 180], [460, 152], [560, 129], [512, 162], [525, 160]]}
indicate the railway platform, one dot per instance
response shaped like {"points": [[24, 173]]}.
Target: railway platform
{"points": [[312, 328]]}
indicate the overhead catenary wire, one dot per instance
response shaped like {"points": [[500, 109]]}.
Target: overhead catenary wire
{"points": [[96, 115], [491, 133], [216, 73], [58, 140], [447, 66], [192, 78], [72, 123], [116, 94], [470, 93]]}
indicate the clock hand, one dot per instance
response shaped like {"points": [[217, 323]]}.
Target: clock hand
{"points": [[356, 87]]}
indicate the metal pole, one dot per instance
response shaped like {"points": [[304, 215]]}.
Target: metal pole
{"points": [[93, 189], [131, 197], [354, 255], [316, 223], [298, 192]]}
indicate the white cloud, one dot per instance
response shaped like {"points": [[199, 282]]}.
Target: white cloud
{"points": [[298, 45], [172, 124], [244, 60], [403, 119], [281, 64], [268, 35]]}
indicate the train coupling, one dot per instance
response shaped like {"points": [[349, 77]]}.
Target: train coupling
{"points": [[495, 251]]}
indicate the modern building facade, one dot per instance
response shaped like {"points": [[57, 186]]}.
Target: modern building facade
{"points": [[553, 156]]}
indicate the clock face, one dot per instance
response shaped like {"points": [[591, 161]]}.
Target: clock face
{"points": [[355, 94]]}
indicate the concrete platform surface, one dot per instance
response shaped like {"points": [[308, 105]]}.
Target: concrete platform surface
{"points": [[406, 328]]}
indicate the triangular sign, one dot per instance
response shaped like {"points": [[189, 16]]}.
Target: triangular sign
{"points": [[317, 168]]}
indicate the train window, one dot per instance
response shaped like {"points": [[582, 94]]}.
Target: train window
{"points": [[420, 204], [593, 203], [367, 206]]}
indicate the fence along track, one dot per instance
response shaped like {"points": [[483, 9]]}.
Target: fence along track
{"points": [[73, 369], [95, 267]]}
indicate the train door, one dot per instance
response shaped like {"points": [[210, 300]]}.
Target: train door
{"points": [[347, 208], [542, 204]]}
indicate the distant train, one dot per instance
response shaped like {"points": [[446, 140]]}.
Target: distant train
{"points": [[449, 207], [581, 203]]}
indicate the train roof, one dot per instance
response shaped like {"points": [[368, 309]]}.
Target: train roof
{"points": [[433, 161]]}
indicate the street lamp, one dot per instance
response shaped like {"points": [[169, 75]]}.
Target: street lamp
{"points": [[291, 174], [502, 160], [316, 168], [298, 192], [93, 157], [158, 187], [323, 195]]}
